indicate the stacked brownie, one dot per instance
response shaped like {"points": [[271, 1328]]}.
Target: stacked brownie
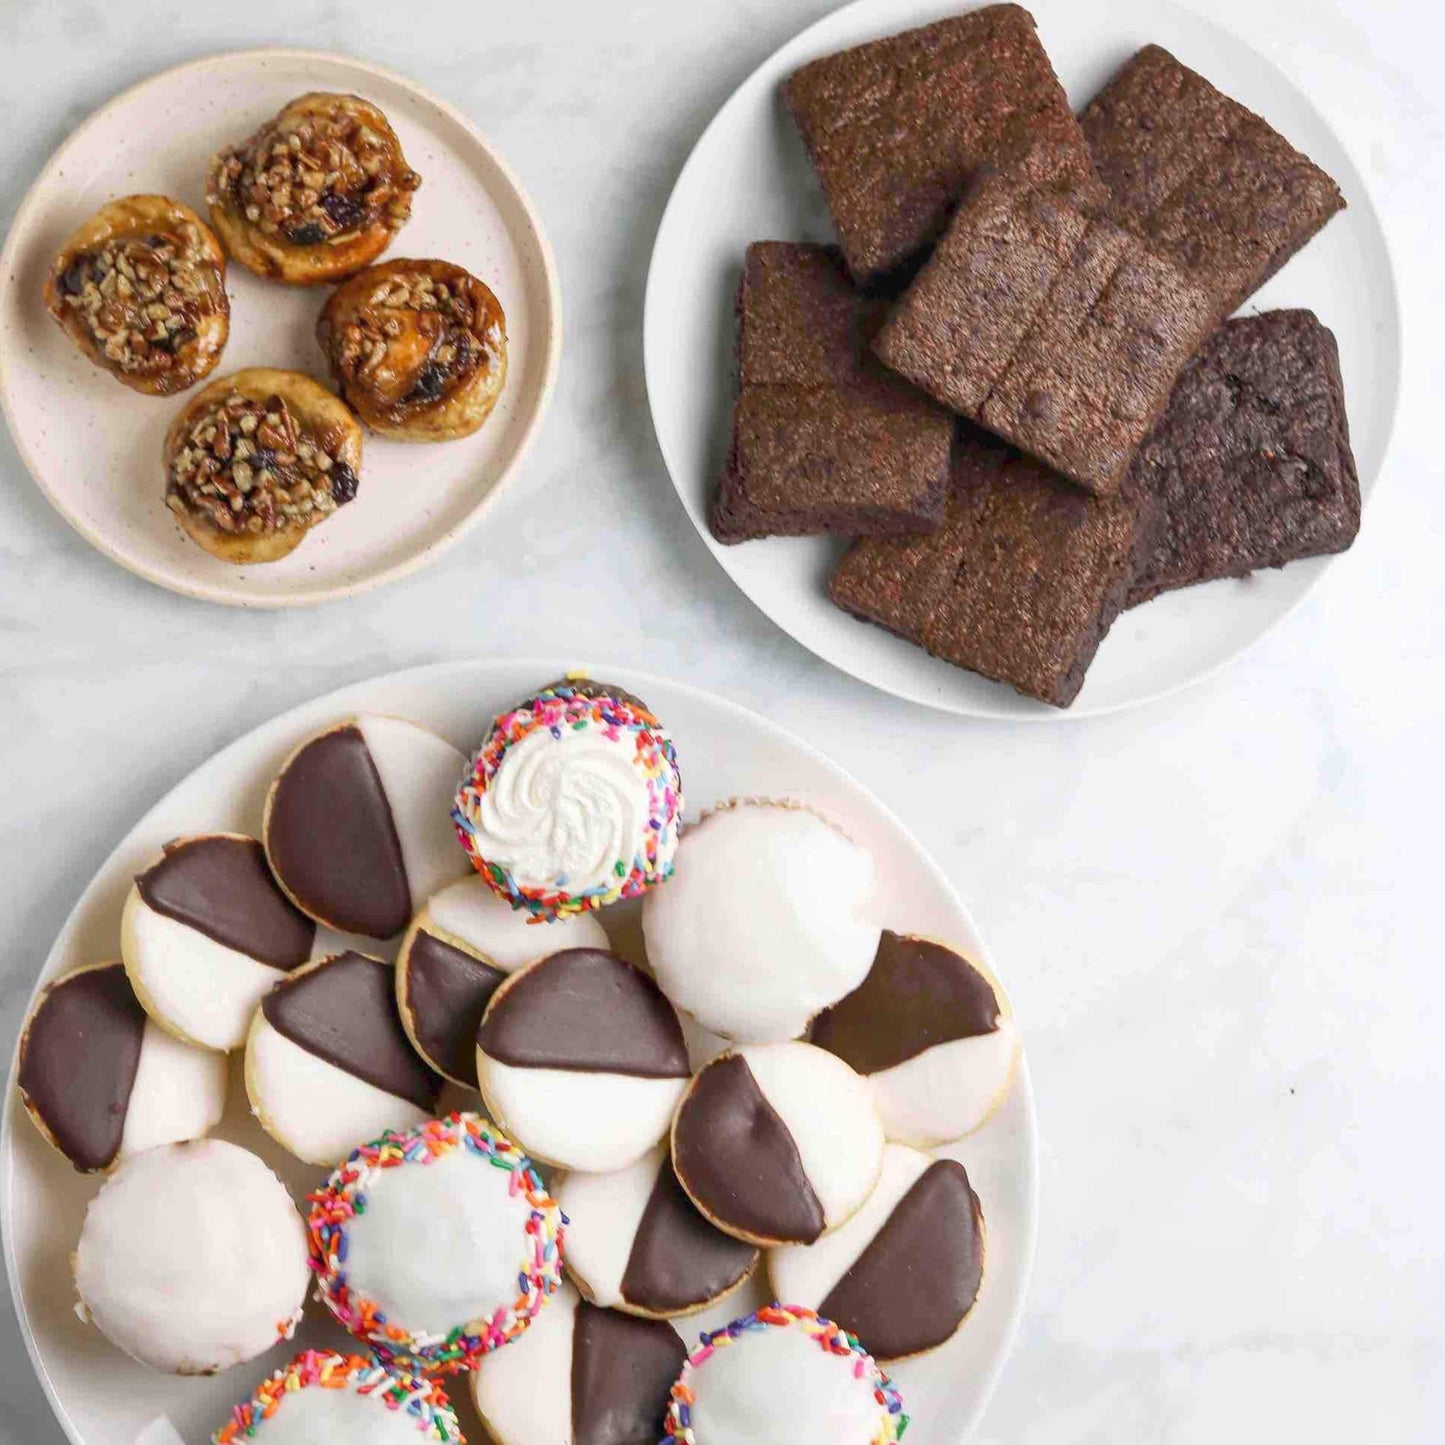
{"points": [[1052, 291]]}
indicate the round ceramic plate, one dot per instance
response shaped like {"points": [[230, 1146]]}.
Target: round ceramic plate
{"points": [[103, 1398], [748, 180], [94, 447]]}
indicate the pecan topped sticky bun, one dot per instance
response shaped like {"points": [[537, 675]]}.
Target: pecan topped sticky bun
{"points": [[315, 194], [418, 348], [257, 459], [141, 290]]}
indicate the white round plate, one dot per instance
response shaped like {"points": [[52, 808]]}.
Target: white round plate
{"points": [[103, 1398], [94, 447], [749, 180]]}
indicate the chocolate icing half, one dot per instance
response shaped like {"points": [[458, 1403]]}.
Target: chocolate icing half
{"points": [[447, 992], [332, 840], [344, 1011], [622, 1372], [919, 1275], [678, 1259], [222, 887], [585, 1010], [917, 994], [78, 1058], [738, 1160]]}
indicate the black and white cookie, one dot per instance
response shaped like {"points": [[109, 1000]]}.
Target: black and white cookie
{"points": [[103, 1081], [582, 1060], [777, 1143], [192, 1258], [358, 826], [580, 1376], [205, 933], [932, 1033], [767, 920], [904, 1272], [328, 1064], [459, 948], [636, 1242]]}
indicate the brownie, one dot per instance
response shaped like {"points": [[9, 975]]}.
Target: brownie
{"points": [[895, 129], [1021, 582], [1202, 180], [1039, 318], [1250, 465], [824, 438]]}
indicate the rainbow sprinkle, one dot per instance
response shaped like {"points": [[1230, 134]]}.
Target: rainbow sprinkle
{"points": [[576, 705], [424, 1400], [344, 1197], [892, 1422]]}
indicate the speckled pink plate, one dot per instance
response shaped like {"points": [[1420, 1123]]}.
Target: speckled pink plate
{"points": [[94, 447]]}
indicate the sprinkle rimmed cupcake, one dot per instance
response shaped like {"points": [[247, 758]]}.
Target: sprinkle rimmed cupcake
{"points": [[485, 1262], [321, 1395], [783, 1373], [573, 802]]}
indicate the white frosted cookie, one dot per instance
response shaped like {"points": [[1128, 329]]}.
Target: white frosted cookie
{"points": [[192, 1258], [321, 1398], [905, 1270], [765, 922], [777, 1143], [328, 1064], [580, 1376], [205, 933], [582, 1060], [103, 1081], [933, 1034], [781, 1376], [437, 1245], [636, 1242], [358, 828], [459, 948]]}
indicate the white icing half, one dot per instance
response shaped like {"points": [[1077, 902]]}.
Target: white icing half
{"points": [[804, 1274], [439, 1244], [829, 1111], [319, 1416], [603, 1212], [192, 1257], [471, 913], [946, 1091], [192, 983], [309, 1106], [561, 812], [419, 773], [764, 922], [524, 1392], [777, 1387], [578, 1119], [179, 1093]]}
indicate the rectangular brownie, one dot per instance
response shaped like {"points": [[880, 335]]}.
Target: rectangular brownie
{"points": [[1200, 179], [1046, 323], [1250, 465], [1021, 582], [896, 128], [824, 438]]}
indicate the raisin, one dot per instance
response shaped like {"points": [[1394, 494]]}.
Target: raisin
{"points": [[344, 483], [311, 234], [263, 459], [73, 281], [345, 212], [430, 383]]}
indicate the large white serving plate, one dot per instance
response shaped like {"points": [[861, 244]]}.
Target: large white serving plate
{"points": [[94, 447], [748, 180], [103, 1398]]}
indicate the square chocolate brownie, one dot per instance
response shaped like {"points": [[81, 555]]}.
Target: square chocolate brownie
{"points": [[824, 438], [1250, 465], [1200, 179], [1021, 582], [896, 128], [1046, 323]]}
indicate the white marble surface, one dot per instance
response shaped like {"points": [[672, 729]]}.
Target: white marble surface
{"points": [[1217, 915]]}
